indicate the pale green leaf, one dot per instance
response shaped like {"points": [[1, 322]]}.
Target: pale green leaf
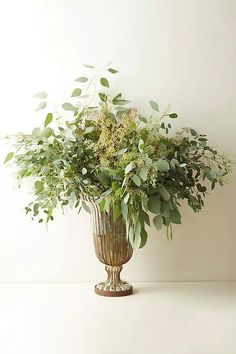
{"points": [[162, 165], [41, 105], [82, 79], [68, 107], [137, 180], [76, 93], [154, 105], [47, 132], [129, 167], [36, 132], [41, 95], [88, 66], [8, 157]]}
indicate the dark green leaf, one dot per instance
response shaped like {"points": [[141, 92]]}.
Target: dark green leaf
{"points": [[144, 237], [165, 195], [158, 222], [164, 211], [175, 217], [103, 96], [113, 71], [154, 203], [193, 132], [104, 82], [173, 115]]}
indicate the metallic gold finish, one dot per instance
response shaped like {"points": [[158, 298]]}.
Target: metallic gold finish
{"points": [[112, 248]]}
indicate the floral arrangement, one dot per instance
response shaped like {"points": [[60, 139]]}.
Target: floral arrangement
{"points": [[124, 160]]}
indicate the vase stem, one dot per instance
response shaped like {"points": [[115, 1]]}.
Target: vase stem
{"points": [[113, 286]]}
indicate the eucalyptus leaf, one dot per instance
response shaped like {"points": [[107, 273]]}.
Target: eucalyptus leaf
{"points": [[154, 203], [76, 93], [104, 82], [41, 95], [8, 157], [129, 167], [112, 71], [154, 105], [82, 79], [158, 222], [162, 165], [136, 180], [48, 119], [41, 105], [68, 107]]}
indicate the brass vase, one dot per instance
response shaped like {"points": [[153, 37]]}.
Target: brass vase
{"points": [[112, 248]]}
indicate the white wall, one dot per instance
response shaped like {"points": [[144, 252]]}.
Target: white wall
{"points": [[178, 51]]}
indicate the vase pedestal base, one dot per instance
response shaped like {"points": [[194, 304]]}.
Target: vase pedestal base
{"points": [[113, 286]]}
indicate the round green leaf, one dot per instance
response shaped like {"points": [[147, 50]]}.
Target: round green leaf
{"points": [[36, 132], [47, 132], [165, 195], [68, 107], [162, 165], [158, 222], [38, 185], [154, 203], [173, 115], [76, 93]]}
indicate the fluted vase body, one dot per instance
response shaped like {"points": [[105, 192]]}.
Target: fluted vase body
{"points": [[112, 248]]}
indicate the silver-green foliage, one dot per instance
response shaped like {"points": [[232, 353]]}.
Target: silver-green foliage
{"points": [[123, 159]]}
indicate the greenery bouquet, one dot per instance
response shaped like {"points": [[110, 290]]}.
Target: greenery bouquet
{"points": [[106, 150]]}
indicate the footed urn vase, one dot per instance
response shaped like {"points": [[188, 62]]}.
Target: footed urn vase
{"points": [[112, 248]]}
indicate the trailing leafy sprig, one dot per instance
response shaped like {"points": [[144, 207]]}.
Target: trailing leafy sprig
{"points": [[124, 160]]}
